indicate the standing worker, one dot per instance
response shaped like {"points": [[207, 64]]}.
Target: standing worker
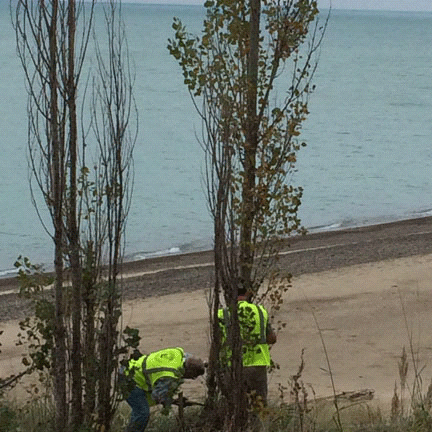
{"points": [[156, 378], [256, 334]]}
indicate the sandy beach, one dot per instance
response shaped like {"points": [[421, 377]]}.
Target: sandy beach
{"points": [[360, 294]]}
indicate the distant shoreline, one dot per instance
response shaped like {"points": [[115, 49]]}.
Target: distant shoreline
{"points": [[420, 227], [6, 275], [312, 253]]}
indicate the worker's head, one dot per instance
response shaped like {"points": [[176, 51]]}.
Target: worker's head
{"points": [[193, 367], [244, 294]]}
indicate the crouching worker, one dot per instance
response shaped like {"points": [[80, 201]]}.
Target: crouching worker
{"points": [[155, 379]]}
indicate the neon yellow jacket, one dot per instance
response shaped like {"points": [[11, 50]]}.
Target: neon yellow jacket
{"points": [[253, 320], [166, 363]]}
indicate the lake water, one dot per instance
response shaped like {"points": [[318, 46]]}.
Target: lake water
{"points": [[369, 134]]}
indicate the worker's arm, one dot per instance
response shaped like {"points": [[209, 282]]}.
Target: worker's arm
{"points": [[270, 335], [164, 390]]}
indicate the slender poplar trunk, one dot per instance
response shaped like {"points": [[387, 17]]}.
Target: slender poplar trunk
{"points": [[73, 232], [251, 146], [57, 173]]}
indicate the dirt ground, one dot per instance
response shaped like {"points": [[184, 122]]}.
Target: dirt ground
{"points": [[361, 315]]}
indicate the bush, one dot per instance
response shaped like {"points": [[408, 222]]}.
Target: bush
{"points": [[8, 419]]}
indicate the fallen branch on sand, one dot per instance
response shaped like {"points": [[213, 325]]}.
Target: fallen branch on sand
{"points": [[8, 382], [351, 396]]}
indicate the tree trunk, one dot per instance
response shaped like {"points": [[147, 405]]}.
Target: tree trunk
{"points": [[72, 226], [251, 145], [57, 177], [89, 350], [238, 401]]}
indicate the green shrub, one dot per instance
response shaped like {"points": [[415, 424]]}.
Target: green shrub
{"points": [[8, 419]]}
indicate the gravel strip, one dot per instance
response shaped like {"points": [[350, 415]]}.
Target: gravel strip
{"points": [[311, 253]]}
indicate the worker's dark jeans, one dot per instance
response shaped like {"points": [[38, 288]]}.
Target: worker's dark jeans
{"points": [[140, 410], [255, 379]]}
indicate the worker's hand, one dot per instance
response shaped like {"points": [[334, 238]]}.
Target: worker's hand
{"points": [[184, 401], [166, 410]]}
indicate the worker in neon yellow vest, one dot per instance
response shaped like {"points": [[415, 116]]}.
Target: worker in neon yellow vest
{"points": [[156, 377], [256, 334]]}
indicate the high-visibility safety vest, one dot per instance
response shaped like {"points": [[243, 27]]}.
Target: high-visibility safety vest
{"points": [[253, 320], [149, 368]]}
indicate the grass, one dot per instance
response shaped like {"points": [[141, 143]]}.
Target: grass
{"points": [[301, 414], [297, 410]]}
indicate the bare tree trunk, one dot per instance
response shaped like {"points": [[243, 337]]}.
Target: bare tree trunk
{"points": [[89, 349], [237, 402], [115, 102], [213, 372], [61, 413], [72, 226]]}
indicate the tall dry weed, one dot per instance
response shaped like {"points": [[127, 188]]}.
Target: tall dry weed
{"points": [[397, 404]]}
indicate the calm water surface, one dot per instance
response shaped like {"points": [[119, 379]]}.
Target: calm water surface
{"points": [[369, 133]]}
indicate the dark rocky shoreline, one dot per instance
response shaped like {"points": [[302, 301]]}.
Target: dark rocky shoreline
{"points": [[311, 253]]}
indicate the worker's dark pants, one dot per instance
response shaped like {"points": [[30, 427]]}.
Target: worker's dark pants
{"points": [[140, 410], [255, 382], [255, 379]]}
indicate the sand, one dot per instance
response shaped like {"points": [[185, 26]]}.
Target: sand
{"points": [[362, 315], [365, 313]]}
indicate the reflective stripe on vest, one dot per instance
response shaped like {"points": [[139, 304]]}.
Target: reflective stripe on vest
{"points": [[145, 375], [263, 336], [147, 372]]}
